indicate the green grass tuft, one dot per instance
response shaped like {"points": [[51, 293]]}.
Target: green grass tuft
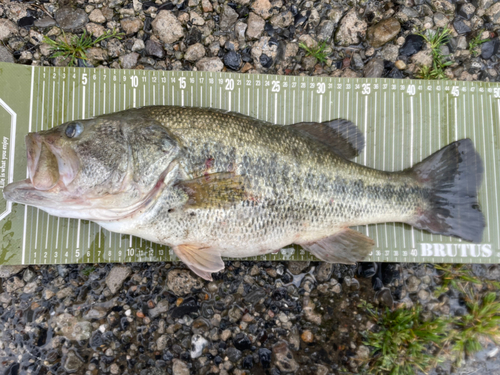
{"points": [[476, 42], [435, 39], [317, 52], [405, 342], [76, 48]]}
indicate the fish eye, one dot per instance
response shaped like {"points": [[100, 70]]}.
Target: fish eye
{"points": [[74, 129]]}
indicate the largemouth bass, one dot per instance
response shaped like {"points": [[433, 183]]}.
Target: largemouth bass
{"points": [[211, 184]]}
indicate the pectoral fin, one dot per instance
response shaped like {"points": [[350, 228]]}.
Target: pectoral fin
{"points": [[216, 190], [347, 246], [203, 261]]}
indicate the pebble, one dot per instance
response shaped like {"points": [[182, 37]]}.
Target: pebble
{"points": [[194, 52], [232, 60], [412, 45], [198, 343], [307, 336], [118, 274], [131, 25], [283, 358], [350, 30], [183, 282], [255, 26], [412, 284], [383, 32], [228, 18], [179, 367], [70, 19], [373, 69], [296, 267], [167, 27]]}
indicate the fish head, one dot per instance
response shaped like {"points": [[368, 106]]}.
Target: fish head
{"points": [[98, 169]]}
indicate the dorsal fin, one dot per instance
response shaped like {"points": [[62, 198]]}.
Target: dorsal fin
{"points": [[341, 135]]}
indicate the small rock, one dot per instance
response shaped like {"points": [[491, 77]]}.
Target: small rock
{"points": [[45, 22], [283, 20], [232, 60], [95, 29], [368, 269], [115, 48], [262, 8], [373, 69], [422, 58], [283, 358], [196, 19], [307, 336], [440, 20], [423, 295], [72, 363], [182, 282], [309, 313], [323, 272], [363, 353], [351, 30], [489, 48], [412, 284], [161, 343], [443, 6], [383, 32], [233, 354], [333, 286], [96, 54], [228, 18], [72, 329], [138, 45], [154, 49], [97, 16], [70, 19], [255, 25], [493, 13], [198, 343], [119, 274], [400, 64], [7, 29], [296, 267], [225, 335], [241, 341], [239, 29], [412, 45], [384, 297], [206, 6], [131, 25], [179, 367], [8, 271], [326, 30], [194, 52], [234, 314], [461, 26], [357, 61], [63, 293], [167, 27], [210, 64], [466, 10], [265, 357]]}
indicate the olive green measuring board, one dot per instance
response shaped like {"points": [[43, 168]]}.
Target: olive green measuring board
{"points": [[403, 121]]}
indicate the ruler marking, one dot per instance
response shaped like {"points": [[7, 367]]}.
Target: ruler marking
{"points": [[276, 108], [494, 167]]}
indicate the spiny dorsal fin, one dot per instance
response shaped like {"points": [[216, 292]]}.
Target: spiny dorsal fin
{"points": [[341, 135]]}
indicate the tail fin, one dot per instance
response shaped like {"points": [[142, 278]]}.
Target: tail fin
{"points": [[453, 176]]}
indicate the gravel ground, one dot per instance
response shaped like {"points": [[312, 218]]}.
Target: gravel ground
{"points": [[255, 318]]}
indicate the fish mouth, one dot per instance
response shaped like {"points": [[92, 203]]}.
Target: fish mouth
{"points": [[47, 164]]}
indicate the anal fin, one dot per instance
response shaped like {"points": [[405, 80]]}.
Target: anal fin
{"points": [[202, 260], [347, 247]]}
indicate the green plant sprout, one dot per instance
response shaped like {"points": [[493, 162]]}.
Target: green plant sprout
{"points": [[476, 42], [318, 52], [76, 48], [435, 39], [405, 342]]}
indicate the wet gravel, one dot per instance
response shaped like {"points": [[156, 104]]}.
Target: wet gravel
{"points": [[255, 318]]}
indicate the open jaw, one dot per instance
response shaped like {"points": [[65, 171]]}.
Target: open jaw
{"points": [[49, 187]]}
